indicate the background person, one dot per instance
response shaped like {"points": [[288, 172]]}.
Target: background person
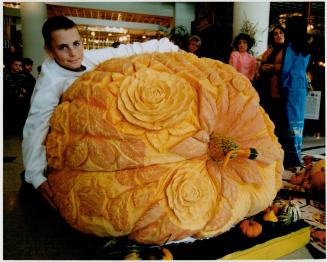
{"points": [[193, 44], [293, 79], [269, 71], [240, 59], [14, 92]]}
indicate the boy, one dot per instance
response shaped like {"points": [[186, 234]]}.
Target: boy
{"points": [[67, 61], [14, 92], [193, 44]]}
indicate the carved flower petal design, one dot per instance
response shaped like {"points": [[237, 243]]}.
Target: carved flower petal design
{"points": [[154, 100], [191, 195]]}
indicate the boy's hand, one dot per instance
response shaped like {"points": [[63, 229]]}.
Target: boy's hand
{"points": [[47, 193]]}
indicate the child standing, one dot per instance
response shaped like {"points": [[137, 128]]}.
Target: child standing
{"points": [[240, 59]]}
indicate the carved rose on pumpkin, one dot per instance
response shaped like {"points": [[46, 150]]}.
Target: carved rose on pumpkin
{"points": [[190, 196], [154, 100]]}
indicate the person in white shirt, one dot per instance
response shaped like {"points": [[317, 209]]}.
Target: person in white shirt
{"points": [[67, 61]]}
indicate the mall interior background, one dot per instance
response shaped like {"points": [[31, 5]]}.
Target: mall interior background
{"points": [[102, 23]]}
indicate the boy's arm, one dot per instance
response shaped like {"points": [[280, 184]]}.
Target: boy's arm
{"points": [[44, 100], [97, 56]]}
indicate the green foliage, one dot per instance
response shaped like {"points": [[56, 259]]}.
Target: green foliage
{"points": [[179, 35], [249, 28]]}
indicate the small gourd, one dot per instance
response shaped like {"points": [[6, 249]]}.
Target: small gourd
{"points": [[167, 255], [250, 228], [307, 184], [318, 165], [297, 179], [317, 175], [290, 214], [150, 254], [270, 216], [133, 256]]}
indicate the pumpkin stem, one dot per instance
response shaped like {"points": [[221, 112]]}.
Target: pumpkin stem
{"points": [[250, 153]]}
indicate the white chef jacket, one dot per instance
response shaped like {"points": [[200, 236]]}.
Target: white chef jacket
{"points": [[50, 85]]}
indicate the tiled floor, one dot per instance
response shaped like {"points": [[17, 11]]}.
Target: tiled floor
{"points": [[30, 233]]}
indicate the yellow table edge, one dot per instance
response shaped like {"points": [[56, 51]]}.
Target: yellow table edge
{"points": [[274, 248]]}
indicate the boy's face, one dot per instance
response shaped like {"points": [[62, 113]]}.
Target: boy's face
{"points": [[193, 46], [28, 67], [67, 48], [16, 67]]}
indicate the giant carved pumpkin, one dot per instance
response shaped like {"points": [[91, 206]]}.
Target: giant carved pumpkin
{"points": [[162, 146]]}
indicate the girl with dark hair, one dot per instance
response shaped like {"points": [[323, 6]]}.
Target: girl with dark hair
{"points": [[269, 71], [294, 85], [240, 59]]}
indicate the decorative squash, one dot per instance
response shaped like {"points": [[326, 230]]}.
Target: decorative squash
{"points": [[275, 209], [318, 175], [291, 213], [297, 179], [319, 235], [133, 256], [270, 216], [307, 184], [167, 254], [150, 254], [318, 166], [162, 145], [278, 205], [251, 228]]}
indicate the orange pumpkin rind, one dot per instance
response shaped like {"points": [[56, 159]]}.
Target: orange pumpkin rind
{"points": [[138, 148]]}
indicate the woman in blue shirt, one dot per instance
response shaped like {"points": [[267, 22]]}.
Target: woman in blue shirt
{"points": [[294, 89]]}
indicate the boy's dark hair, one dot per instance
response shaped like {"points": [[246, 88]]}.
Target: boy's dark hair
{"points": [[55, 23], [115, 44], [27, 61], [15, 58], [243, 36]]}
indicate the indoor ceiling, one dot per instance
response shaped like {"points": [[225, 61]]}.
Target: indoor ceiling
{"points": [[317, 12], [164, 21], [277, 11], [102, 35]]}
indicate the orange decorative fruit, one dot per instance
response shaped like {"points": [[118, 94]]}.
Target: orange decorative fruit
{"points": [[162, 146]]}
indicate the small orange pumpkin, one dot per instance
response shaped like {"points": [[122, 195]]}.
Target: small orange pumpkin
{"points": [[297, 179], [318, 166], [317, 175], [251, 228], [318, 179], [307, 184]]}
